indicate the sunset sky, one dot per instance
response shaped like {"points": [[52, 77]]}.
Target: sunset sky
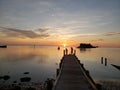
{"points": [[58, 22]]}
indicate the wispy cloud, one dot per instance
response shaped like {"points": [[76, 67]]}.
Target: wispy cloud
{"points": [[12, 32], [97, 40], [90, 35], [111, 33], [95, 34]]}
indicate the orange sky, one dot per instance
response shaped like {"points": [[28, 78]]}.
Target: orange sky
{"points": [[70, 22], [58, 41]]}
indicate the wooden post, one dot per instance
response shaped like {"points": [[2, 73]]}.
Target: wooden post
{"points": [[105, 61], [87, 72], [60, 64], [57, 72], [79, 61], [82, 65], [101, 60]]}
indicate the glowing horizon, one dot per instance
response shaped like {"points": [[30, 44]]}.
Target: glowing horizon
{"points": [[48, 22]]}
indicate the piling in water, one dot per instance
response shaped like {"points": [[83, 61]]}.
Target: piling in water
{"points": [[101, 60], [105, 61]]}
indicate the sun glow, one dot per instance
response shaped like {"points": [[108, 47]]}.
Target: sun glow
{"points": [[64, 45]]}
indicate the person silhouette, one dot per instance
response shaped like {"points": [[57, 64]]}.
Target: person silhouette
{"points": [[66, 51], [74, 52], [71, 50]]}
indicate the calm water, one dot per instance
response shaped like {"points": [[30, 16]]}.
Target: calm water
{"points": [[42, 62]]}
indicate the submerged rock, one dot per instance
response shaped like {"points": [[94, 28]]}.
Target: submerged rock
{"points": [[14, 81], [1, 77], [26, 72], [25, 79], [6, 77]]}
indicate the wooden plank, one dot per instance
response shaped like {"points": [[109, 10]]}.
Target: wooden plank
{"points": [[71, 76]]}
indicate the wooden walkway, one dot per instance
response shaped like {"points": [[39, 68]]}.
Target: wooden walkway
{"points": [[72, 76]]}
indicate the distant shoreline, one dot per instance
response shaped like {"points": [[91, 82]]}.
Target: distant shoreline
{"points": [[57, 46]]}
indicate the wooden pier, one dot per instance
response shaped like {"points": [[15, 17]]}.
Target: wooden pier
{"points": [[72, 75]]}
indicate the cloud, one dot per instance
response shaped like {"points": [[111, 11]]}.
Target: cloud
{"points": [[83, 35], [97, 40], [42, 30], [95, 34], [12, 32], [112, 33]]}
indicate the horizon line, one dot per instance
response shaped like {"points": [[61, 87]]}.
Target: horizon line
{"points": [[54, 45]]}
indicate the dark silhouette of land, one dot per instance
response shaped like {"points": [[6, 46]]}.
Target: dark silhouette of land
{"points": [[116, 66], [85, 45], [3, 46]]}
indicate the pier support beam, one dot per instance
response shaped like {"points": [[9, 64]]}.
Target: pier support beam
{"points": [[57, 72]]}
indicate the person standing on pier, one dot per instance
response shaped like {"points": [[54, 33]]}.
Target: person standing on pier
{"points": [[71, 50], [74, 52], [66, 51]]}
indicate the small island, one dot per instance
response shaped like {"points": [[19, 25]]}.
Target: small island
{"points": [[3, 46], [85, 45]]}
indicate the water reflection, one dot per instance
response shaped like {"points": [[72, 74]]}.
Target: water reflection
{"points": [[42, 62], [39, 61], [84, 49], [24, 54], [18, 58], [92, 62]]}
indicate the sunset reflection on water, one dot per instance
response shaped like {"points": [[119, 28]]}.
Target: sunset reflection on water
{"points": [[42, 62]]}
